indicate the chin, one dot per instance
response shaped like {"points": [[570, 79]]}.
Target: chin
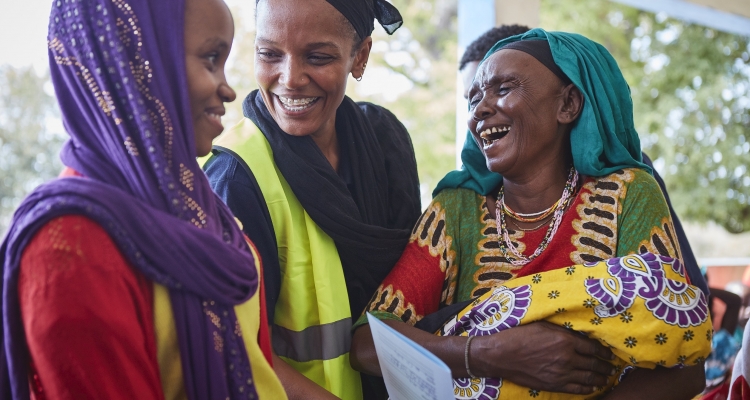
{"points": [[202, 151], [495, 166], [298, 128], [203, 144]]}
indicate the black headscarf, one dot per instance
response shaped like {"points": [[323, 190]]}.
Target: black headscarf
{"points": [[372, 225], [362, 13]]}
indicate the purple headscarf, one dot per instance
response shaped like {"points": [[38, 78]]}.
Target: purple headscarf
{"points": [[118, 67]]}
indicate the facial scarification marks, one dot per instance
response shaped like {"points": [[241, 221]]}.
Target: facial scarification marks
{"points": [[596, 227], [393, 303], [430, 233], [494, 266]]}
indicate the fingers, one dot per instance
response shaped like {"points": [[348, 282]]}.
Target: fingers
{"points": [[574, 388], [590, 347], [593, 364], [588, 378]]}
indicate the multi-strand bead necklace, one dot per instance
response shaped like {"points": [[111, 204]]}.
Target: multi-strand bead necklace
{"points": [[557, 209]]}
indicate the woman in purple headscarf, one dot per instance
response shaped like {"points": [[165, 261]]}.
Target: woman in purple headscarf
{"points": [[128, 278]]}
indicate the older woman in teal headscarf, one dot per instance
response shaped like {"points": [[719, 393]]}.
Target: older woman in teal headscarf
{"points": [[539, 232]]}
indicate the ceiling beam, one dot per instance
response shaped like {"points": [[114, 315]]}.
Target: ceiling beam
{"points": [[726, 20]]}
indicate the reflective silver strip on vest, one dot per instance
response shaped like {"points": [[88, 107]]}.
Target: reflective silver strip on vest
{"points": [[320, 342]]}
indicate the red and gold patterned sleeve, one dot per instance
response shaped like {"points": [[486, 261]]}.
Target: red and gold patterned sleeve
{"points": [[416, 285]]}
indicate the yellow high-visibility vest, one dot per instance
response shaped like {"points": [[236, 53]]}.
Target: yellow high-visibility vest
{"points": [[312, 322]]}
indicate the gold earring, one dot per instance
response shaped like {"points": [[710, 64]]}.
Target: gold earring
{"points": [[363, 72]]}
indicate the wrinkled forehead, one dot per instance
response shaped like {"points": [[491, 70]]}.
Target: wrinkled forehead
{"points": [[507, 61], [510, 63], [499, 64]]}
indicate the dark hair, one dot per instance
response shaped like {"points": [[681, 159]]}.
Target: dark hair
{"points": [[347, 29], [481, 45]]}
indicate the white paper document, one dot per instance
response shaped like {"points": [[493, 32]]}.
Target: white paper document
{"points": [[409, 370]]}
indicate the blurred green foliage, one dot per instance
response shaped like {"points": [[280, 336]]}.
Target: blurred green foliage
{"points": [[691, 93], [424, 51]]}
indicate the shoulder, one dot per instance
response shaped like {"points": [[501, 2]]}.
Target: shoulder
{"points": [[225, 166], [630, 176], [625, 184], [383, 120], [641, 177], [641, 186], [69, 245], [457, 198], [456, 208], [69, 234], [376, 113], [639, 195]]}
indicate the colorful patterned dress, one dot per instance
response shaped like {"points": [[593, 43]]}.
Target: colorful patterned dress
{"points": [[454, 255]]}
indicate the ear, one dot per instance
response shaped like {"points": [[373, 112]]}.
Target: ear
{"points": [[572, 104], [361, 55]]}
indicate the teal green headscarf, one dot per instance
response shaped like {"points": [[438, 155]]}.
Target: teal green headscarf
{"points": [[603, 139]]}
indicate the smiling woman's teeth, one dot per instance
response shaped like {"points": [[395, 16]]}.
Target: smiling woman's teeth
{"points": [[491, 135], [215, 117], [296, 104]]}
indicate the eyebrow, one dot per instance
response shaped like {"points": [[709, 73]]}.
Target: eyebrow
{"points": [[318, 45], [215, 41], [309, 46], [264, 40], [498, 79], [492, 81]]}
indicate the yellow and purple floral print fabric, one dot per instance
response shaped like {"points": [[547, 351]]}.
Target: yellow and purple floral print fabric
{"points": [[641, 306]]}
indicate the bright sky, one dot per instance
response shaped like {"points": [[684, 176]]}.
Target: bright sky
{"points": [[23, 31], [23, 42]]}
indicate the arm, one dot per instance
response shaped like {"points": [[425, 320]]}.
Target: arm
{"points": [[543, 355], [732, 313], [661, 383], [688, 258], [88, 316], [298, 386], [652, 231]]}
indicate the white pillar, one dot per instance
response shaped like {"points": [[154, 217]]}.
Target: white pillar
{"points": [[521, 12], [474, 18]]}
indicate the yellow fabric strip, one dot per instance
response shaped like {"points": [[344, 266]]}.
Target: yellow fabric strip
{"points": [[267, 384], [167, 348]]}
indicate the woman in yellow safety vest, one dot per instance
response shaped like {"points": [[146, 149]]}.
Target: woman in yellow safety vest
{"points": [[325, 187]]}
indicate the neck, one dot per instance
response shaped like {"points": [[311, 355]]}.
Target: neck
{"points": [[538, 191], [328, 143]]}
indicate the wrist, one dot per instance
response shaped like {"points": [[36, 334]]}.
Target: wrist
{"points": [[482, 349], [467, 358], [488, 355]]}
